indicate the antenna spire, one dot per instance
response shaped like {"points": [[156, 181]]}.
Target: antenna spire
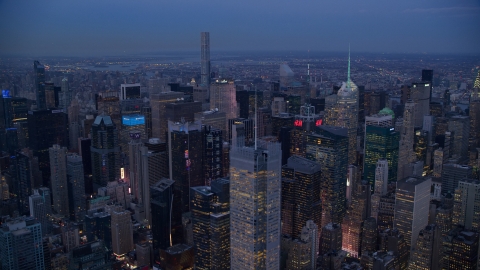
{"points": [[348, 73]]}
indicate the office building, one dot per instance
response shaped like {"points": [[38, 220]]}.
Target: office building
{"points": [[240, 127], [185, 150], [205, 58], [21, 242], [135, 179], [214, 119], [105, 151], [158, 103], [452, 174], [255, 192], [131, 123], [39, 71], [465, 205], [381, 142], [474, 114], [58, 168], [46, 128], [427, 250], [369, 236], [98, 225], [223, 97], [460, 249], [76, 188], [328, 146], [41, 208], [420, 95], [391, 240], [212, 154], [122, 231], [301, 180], [302, 252], [412, 207], [91, 255], [129, 91], [180, 256], [460, 125], [27, 177], [182, 111], [330, 238], [405, 148], [211, 225], [381, 186]]}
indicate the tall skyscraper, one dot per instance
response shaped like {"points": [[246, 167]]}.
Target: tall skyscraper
{"points": [[420, 95], [122, 231], [185, 150], [452, 174], [412, 207], [223, 97], [205, 58], [301, 180], [58, 168], [329, 147], [381, 185], [76, 188], [158, 103], [39, 71], [212, 154], [405, 149], [211, 225], [381, 142], [255, 192], [460, 125], [135, 167], [105, 151], [21, 241], [41, 208]]}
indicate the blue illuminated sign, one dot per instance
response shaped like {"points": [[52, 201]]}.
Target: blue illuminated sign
{"points": [[133, 120], [6, 93]]}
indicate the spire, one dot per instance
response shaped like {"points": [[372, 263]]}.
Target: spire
{"points": [[348, 73], [255, 129]]}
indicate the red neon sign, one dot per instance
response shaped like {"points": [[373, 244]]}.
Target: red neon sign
{"points": [[319, 122], [298, 123]]}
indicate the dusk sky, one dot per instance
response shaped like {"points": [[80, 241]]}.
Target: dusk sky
{"points": [[116, 27]]}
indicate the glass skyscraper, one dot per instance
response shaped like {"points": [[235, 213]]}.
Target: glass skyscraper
{"points": [[39, 71]]}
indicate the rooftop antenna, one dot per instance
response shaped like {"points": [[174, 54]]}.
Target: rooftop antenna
{"points": [[255, 118], [348, 73]]}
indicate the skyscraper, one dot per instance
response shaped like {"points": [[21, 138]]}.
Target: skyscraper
{"points": [[58, 168], [76, 188], [212, 154], [39, 71], [381, 185], [41, 208], [122, 231], [301, 180], [465, 205], [255, 191], [405, 149], [105, 151], [427, 249], [412, 207], [460, 125], [21, 241], [329, 147], [420, 95], [381, 142], [205, 58], [158, 103], [135, 167], [452, 174], [211, 225], [223, 97]]}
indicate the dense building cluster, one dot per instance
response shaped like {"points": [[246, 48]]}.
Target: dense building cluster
{"points": [[152, 170]]}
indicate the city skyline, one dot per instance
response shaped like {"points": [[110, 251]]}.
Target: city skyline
{"points": [[80, 29]]}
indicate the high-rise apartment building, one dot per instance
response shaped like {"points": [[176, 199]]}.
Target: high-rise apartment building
{"points": [[301, 180], [211, 225], [381, 142], [76, 188], [412, 207], [122, 231], [205, 58], [105, 151], [328, 146], [39, 71], [58, 168], [405, 148], [255, 192], [21, 241]]}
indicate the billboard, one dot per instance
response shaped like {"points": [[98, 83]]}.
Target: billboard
{"points": [[133, 120]]}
